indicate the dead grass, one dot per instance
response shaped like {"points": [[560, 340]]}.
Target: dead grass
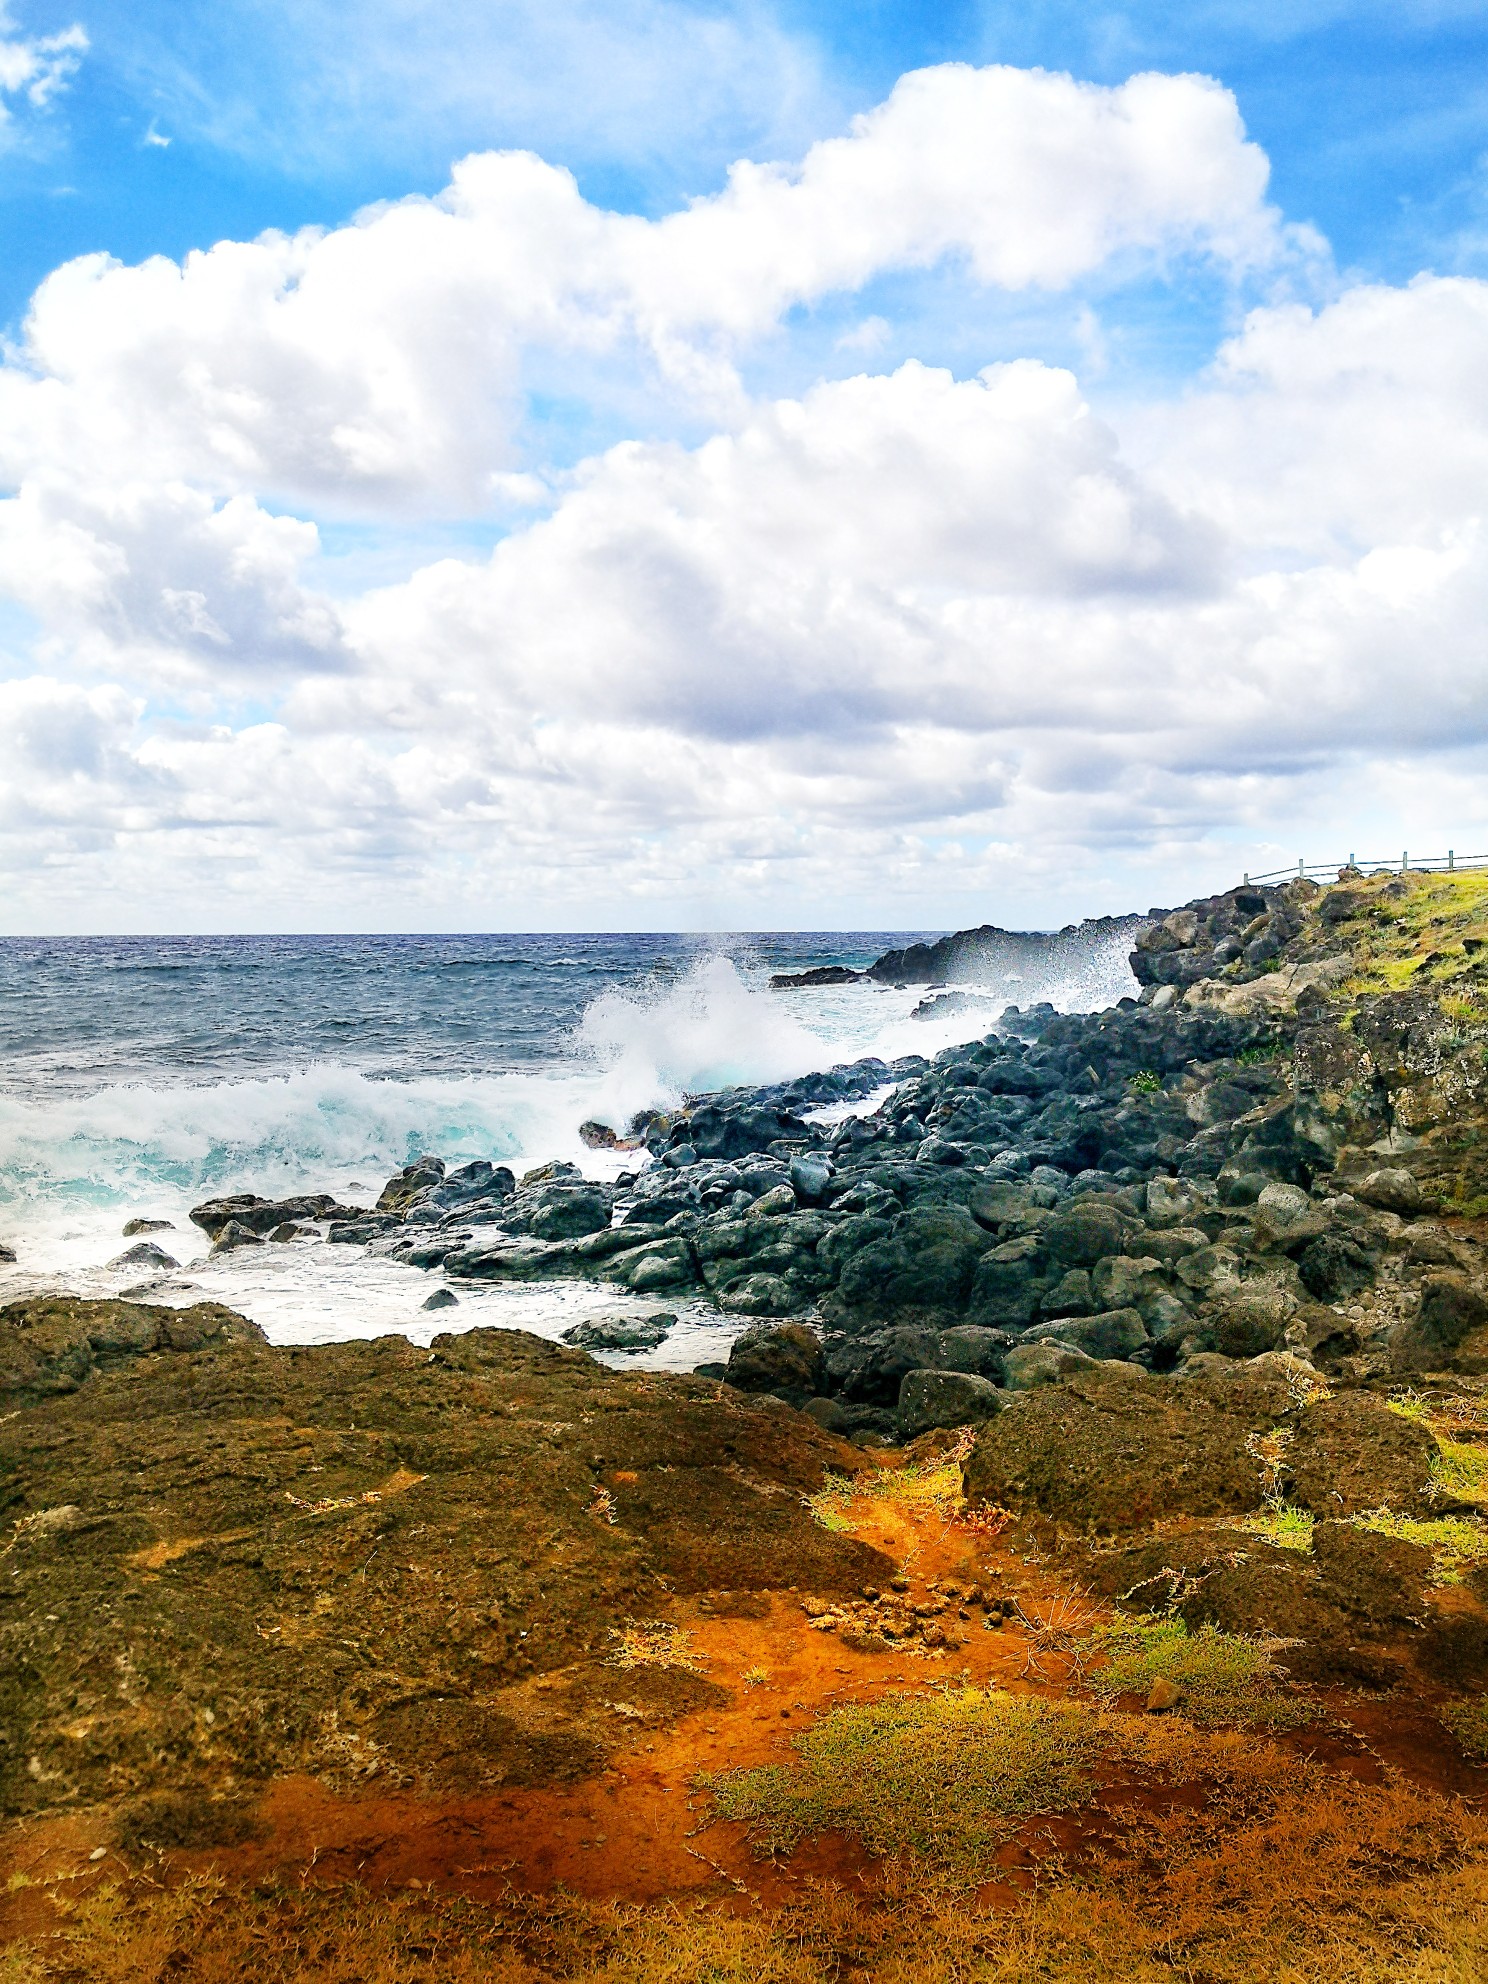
{"points": [[1282, 1876], [658, 1644], [919, 1487]]}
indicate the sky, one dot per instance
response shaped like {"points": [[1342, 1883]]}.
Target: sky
{"points": [[629, 464]]}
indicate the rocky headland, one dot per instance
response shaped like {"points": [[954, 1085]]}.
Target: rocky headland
{"points": [[1127, 1371]]}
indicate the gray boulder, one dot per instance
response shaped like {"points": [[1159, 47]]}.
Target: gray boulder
{"points": [[928, 1399], [1029, 1365], [1116, 1333], [144, 1255], [621, 1332]]}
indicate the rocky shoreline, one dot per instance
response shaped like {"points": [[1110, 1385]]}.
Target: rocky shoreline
{"points": [[1119, 1366], [1223, 1168]]}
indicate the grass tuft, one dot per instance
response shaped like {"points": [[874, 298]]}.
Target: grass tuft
{"points": [[925, 1487], [945, 1778], [1460, 1471], [1281, 1523], [1220, 1677]]}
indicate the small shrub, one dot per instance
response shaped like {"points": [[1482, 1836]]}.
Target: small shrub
{"points": [[1468, 1722], [930, 1486], [1146, 1082]]}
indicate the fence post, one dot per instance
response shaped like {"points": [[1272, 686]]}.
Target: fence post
{"points": [[1301, 868], [1451, 860], [1245, 879]]}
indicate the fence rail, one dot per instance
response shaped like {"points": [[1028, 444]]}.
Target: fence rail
{"points": [[1449, 863]]}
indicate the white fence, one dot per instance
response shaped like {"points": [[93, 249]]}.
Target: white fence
{"points": [[1316, 871]]}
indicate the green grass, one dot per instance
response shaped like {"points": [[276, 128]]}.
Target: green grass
{"points": [[1457, 1543], [1460, 1471], [1468, 1722], [946, 1778], [1280, 1523], [1257, 1056], [1220, 1676]]}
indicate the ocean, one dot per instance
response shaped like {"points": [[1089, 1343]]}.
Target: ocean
{"points": [[140, 1075]]}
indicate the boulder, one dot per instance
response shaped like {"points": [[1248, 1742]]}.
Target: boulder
{"points": [[1350, 1454], [1005, 1286], [810, 1176], [928, 1399], [1046, 1362], [134, 1226], [970, 1348], [1120, 1456], [785, 1357], [1116, 1333], [145, 1254], [621, 1332], [442, 1298], [1085, 1232], [1390, 1190], [1452, 1310], [1379, 1578]]}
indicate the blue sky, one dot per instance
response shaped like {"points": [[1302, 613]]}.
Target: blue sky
{"points": [[1009, 503], [1374, 116]]}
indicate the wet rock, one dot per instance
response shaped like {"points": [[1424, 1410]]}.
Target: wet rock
{"points": [[928, 1399], [787, 1357], [234, 1235], [357, 1232], [621, 1332], [145, 1255], [597, 1136], [134, 1226], [7, 1254], [257, 1216], [442, 1298], [406, 1185]]}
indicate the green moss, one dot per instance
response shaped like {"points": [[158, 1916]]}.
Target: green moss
{"points": [[1220, 1676], [1468, 1722], [944, 1777], [1456, 1543]]}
